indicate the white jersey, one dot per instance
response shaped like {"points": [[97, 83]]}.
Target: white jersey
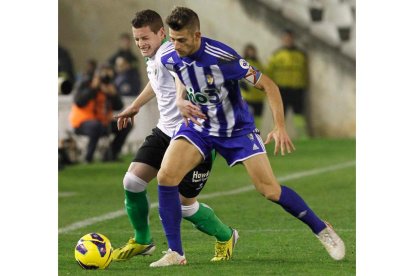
{"points": [[163, 84]]}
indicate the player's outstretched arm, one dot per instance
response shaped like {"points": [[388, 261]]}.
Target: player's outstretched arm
{"points": [[188, 110], [127, 115], [279, 133]]}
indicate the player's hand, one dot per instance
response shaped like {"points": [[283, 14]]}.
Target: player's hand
{"points": [[190, 112], [126, 116], [282, 141], [95, 82]]}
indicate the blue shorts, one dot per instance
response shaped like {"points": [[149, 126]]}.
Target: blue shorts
{"points": [[233, 149]]}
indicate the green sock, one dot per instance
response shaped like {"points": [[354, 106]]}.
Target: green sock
{"points": [[207, 222], [137, 207]]}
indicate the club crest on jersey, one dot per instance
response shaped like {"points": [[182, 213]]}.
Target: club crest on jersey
{"points": [[210, 79], [244, 64]]}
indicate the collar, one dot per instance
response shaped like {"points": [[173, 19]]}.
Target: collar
{"points": [[165, 40]]}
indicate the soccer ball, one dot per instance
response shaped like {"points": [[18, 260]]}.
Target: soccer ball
{"points": [[93, 251]]}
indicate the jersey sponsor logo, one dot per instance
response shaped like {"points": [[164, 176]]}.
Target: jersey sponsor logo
{"points": [[206, 96], [244, 64], [200, 177], [210, 79]]}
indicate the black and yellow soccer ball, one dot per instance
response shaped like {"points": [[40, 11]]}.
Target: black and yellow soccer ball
{"points": [[93, 251]]}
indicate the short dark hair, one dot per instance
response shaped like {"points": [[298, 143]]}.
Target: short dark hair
{"points": [[181, 18], [148, 18]]}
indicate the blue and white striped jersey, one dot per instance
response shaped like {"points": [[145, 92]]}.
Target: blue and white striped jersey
{"points": [[211, 76]]}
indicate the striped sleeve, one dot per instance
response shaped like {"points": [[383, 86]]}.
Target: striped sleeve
{"points": [[231, 63]]}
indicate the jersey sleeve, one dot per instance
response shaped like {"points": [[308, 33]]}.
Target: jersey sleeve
{"points": [[238, 68], [253, 75], [168, 59]]}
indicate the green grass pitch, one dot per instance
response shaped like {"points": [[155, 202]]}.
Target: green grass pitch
{"points": [[271, 241]]}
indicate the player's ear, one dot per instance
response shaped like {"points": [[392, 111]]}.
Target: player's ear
{"points": [[162, 31], [197, 34]]}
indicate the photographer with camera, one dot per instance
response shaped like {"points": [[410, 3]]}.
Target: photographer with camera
{"points": [[91, 113]]}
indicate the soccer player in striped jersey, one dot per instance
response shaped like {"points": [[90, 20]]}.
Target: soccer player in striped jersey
{"points": [[216, 117], [149, 35]]}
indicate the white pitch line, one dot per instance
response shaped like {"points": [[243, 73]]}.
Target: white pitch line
{"points": [[119, 213], [126, 231], [260, 230], [66, 194]]}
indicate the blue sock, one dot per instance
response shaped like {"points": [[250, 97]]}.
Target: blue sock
{"points": [[296, 206], [170, 214]]}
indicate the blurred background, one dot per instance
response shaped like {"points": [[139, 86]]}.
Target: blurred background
{"points": [[305, 46]]}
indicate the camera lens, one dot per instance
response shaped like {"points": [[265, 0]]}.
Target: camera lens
{"points": [[106, 79]]}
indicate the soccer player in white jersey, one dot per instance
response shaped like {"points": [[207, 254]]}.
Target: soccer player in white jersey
{"points": [[216, 117], [149, 35]]}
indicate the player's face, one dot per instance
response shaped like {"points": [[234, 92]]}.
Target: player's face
{"points": [[185, 41], [287, 40], [147, 41]]}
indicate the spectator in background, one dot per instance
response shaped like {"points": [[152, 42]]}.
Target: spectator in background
{"points": [[89, 71], [127, 81], [66, 74], [288, 68], [253, 96], [125, 51], [91, 113]]}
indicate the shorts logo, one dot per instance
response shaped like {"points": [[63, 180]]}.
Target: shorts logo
{"points": [[197, 176], [244, 64], [251, 137]]}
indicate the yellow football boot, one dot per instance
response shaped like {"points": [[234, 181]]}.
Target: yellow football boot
{"points": [[224, 250], [132, 249]]}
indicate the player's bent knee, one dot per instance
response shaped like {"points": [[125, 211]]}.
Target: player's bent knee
{"points": [[269, 189], [271, 193], [167, 178], [272, 196], [133, 183]]}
